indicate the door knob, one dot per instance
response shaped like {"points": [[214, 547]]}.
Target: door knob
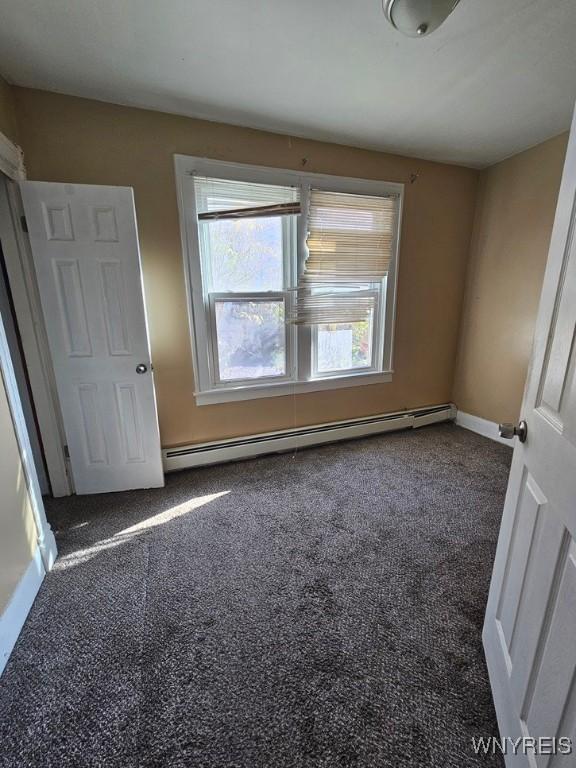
{"points": [[511, 430], [141, 368]]}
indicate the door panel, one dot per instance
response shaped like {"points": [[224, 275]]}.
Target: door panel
{"points": [[104, 223], [545, 706], [57, 221], [525, 522], [72, 306], [87, 260], [92, 423], [130, 422], [537, 596], [114, 301], [530, 627]]}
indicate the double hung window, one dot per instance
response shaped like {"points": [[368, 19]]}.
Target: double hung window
{"points": [[291, 278]]}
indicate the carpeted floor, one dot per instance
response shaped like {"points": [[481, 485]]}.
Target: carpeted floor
{"points": [[322, 609]]}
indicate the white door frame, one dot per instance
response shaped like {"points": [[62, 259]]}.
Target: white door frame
{"points": [[11, 159], [46, 540], [19, 265]]}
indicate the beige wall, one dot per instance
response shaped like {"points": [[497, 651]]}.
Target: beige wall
{"points": [[77, 140], [515, 213], [8, 125], [18, 533]]}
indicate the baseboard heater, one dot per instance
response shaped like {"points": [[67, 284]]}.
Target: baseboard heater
{"points": [[200, 454]]}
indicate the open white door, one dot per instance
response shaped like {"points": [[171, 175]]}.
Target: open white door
{"points": [[85, 246], [530, 628]]}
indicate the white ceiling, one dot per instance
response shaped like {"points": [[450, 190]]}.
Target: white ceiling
{"points": [[499, 76]]}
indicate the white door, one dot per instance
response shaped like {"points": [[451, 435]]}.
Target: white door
{"points": [[85, 247], [530, 628]]}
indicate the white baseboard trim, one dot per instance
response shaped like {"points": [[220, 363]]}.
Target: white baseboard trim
{"points": [[15, 613], [482, 427], [200, 454]]}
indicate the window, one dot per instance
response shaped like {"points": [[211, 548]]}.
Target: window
{"points": [[250, 337], [291, 278], [246, 240]]}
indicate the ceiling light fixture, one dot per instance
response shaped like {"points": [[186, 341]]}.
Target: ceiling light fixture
{"points": [[417, 18]]}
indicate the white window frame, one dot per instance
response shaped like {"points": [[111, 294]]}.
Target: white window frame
{"points": [[300, 342], [376, 352], [254, 296]]}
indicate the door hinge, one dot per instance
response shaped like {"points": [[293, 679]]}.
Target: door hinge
{"points": [[24, 224], [66, 452]]}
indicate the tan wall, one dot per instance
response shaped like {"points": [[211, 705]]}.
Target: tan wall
{"points": [[515, 213], [8, 125], [77, 140], [18, 534]]}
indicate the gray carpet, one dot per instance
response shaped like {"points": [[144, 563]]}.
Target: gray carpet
{"points": [[324, 610]]}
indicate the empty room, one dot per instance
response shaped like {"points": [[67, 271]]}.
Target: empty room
{"points": [[287, 384]]}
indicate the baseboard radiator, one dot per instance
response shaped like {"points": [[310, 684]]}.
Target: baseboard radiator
{"points": [[200, 454]]}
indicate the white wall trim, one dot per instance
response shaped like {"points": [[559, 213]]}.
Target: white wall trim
{"points": [[46, 540], [230, 394], [217, 452], [22, 278], [297, 379], [11, 159], [482, 427], [15, 613]]}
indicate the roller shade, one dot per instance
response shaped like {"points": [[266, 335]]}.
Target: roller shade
{"points": [[222, 199], [350, 244]]}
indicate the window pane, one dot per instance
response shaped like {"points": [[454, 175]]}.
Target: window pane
{"points": [[344, 346], [251, 339], [244, 255]]}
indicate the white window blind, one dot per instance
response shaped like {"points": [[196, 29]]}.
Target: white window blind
{"points": [[223, 199], [350, 244], [349, 237]]}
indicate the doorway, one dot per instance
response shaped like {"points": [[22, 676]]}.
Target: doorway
{"points": [[8, 314]]}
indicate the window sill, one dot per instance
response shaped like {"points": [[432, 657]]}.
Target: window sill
{"points": [[281, 389]]}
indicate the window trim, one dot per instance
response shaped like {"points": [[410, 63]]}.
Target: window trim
{"points": [[198, 311]]}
